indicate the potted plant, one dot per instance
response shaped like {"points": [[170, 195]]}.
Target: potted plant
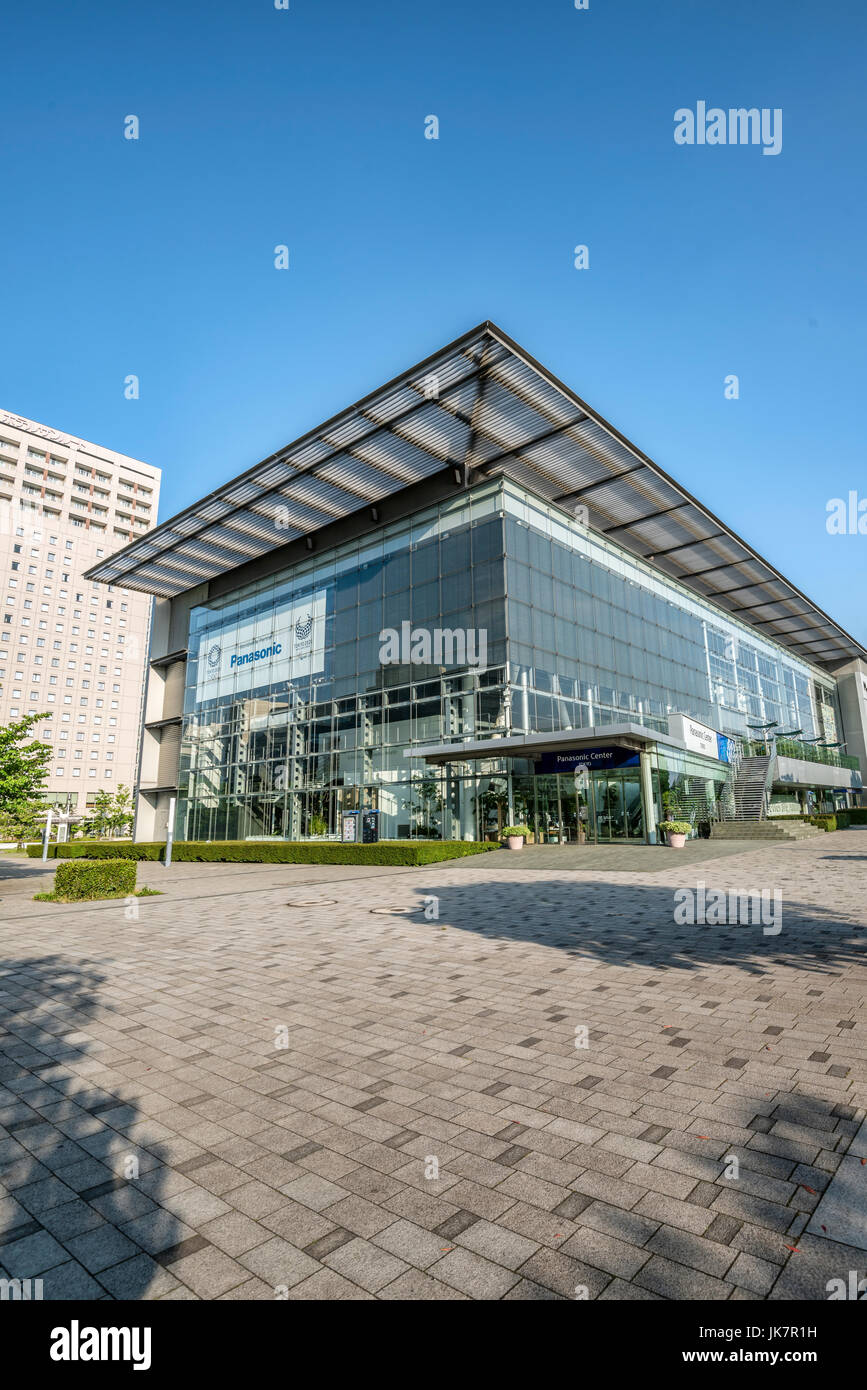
{"points": [[318, 826], [677, 831], [515, 835]]}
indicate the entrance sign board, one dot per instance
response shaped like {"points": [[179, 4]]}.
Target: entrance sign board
{"points": [[593, 759]]}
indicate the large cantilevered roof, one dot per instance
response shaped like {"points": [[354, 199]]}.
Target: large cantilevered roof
{"points": [[479, 407]]}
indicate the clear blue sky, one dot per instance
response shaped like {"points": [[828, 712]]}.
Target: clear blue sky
{"points": [[306, 127]]}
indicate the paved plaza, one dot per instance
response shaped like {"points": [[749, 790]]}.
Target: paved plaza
{"points": [[299, 1082]]}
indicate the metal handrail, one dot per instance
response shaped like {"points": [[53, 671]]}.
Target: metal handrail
{"points": [[812, 753]]}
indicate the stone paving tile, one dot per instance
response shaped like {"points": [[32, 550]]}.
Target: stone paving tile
{"points": [[473, 1275], [70, 1280], [299, 1225], [678, 1281], [621, 1291], [563, 1274], [140, 1277], [278, 1263], [233, 1233], [366, 1264], [504, 1247], [102, 1247], [694, 1251], [756, 1276], [412, 1243], [558, 1171], [605, 1252], [417, 1285], [327, 1285], [250, 1290], [209, 1272]]}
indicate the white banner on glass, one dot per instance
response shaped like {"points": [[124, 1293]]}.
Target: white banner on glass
{"points": [[237, 657]]}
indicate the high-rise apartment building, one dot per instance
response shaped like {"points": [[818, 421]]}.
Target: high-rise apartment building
{"points": [[68, 647]]}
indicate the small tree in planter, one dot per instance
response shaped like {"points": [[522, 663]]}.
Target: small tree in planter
{"points": [[677, 831], [515, 835]]}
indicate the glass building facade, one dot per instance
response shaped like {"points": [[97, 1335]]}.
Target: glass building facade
{"points": [[297, 708]]}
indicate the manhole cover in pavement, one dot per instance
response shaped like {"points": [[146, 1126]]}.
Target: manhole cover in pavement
{"points": [[394, 911], [312, 902]]}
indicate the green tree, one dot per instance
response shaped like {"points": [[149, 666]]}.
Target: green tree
{"points": [[121, 812], [23, 769], [99, 817], [110, 815]]}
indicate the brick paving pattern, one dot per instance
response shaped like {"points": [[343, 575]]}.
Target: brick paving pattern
{"points": [[431, 1131]]}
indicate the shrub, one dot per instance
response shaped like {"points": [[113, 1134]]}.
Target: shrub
{"points": [[824, 822], [857, 815], [105, 878], [675, 827], [522, 830], [274, 851]]}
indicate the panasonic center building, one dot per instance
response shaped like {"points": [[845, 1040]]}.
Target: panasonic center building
{"points": [[466, 602]]}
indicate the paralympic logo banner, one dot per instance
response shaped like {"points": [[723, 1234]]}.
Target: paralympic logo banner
{"points": [[235, 658]]}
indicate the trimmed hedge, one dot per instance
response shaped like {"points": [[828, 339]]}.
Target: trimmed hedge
{"points": [[100, 849], [272, 851], [853, 815], [106, 878]]}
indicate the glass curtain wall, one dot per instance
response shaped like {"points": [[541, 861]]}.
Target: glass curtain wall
{"points": [[287, 758], [576, 633], [596, 638]]}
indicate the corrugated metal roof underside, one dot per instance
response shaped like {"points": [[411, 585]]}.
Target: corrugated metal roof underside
{"points": [[484, 406]]}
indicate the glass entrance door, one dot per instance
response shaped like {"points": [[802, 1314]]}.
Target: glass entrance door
{"points": [[568, 810], [609, 807], [549, 829], [633, 814], [619, 812]]}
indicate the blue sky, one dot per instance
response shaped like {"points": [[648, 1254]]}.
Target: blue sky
{"points": [[306, 128]]}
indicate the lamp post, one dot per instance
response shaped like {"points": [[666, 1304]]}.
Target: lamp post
{"points": [[170, 831]]}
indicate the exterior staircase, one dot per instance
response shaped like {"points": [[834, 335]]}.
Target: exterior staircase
{"points": [[748, 803], [749, 789], [763, 830]]}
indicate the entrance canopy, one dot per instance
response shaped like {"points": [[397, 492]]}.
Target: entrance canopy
{"points": [[479, 407], [538, 746]]}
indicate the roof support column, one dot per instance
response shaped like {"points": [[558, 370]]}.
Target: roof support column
{"points": [[648, 806]]}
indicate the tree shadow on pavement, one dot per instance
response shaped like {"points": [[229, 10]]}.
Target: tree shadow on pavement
{"points": [[767, 1069], [634, 924], [70, 1179]]}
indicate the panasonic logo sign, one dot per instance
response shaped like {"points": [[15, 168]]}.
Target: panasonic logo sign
{"points": [[257, 655]]}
